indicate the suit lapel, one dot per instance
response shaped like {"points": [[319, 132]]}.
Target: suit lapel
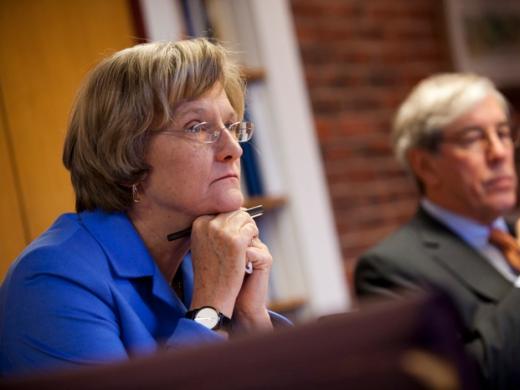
{"points": [[126, 251], [464, 262]]}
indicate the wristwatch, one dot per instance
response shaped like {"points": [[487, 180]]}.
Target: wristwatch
{"points": [[210, 317]]}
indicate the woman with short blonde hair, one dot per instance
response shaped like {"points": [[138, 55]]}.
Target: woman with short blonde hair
{"points": [[153, 148]]}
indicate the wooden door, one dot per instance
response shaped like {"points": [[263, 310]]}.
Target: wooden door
{"points": [[47, 47]]}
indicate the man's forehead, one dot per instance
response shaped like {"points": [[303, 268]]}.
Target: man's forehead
{"points": [[488, 111]]}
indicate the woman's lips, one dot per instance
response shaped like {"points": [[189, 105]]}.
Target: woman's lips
{"points": [[227, 177]]}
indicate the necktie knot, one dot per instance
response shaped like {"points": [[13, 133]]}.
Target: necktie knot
{"points": [[508, 246]]}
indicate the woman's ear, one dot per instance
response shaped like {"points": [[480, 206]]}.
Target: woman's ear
{"points": [[423, 164]]}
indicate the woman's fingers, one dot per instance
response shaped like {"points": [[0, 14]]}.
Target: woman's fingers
{"points": [[259, 257], [220, 246]]}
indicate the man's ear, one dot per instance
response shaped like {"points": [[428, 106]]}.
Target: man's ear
{"points": [[424, 165]]}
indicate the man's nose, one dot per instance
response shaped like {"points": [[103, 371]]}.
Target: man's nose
{"points": [[496, 146]]}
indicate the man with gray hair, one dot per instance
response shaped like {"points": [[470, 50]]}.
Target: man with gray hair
{"points": [[454, 135]]}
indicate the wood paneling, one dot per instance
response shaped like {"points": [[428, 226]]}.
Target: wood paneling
{"points": [[12, 237], [47, 46]]}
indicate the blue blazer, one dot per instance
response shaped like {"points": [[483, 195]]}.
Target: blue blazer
{"points": [[87, 291]]}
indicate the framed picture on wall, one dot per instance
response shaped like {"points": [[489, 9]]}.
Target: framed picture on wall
{"points": [[484, 36]]}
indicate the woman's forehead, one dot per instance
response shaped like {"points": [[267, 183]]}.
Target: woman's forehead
{"points": [[207, 103]]}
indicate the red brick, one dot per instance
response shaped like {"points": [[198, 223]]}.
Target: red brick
{"points": [[360, 59]]}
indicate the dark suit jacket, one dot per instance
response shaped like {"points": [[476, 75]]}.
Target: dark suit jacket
{"points": [[425, 254]]}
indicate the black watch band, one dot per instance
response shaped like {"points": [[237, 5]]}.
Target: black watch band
{"points": [[209, 317]]}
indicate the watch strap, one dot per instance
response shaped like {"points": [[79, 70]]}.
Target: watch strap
{"points": [[223, 322]]}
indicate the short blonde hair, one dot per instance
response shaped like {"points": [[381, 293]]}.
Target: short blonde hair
{"points": [[435, 103], [124, 99]]}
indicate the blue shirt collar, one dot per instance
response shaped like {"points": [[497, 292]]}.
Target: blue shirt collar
{"points": [[127, 252], [120, 241], [474, 233]]}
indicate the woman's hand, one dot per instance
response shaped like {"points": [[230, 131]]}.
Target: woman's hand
{"points": [[220, 250], [250, 307]]}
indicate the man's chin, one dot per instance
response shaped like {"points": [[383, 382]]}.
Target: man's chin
{"points": [[503, 203]]}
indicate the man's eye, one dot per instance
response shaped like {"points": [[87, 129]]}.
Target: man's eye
{"points": [[472, 136], [504, 131]]}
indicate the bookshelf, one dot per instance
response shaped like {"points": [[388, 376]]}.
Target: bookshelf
{"points": [[308, 276], [269, 202], [253, 74]]}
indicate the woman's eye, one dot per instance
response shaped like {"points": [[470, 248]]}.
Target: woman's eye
{"points": [[195, 127]]}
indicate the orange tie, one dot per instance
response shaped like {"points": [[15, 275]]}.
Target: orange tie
{"points": [[508, 245]]}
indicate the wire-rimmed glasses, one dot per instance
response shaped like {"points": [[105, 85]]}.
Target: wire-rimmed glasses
{"points": [[205, 133], [477, 139]]}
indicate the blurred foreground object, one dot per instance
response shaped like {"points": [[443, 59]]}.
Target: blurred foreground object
{"points": [[403, 344]]}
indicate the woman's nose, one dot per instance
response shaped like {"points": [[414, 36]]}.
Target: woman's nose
{"points": [[228, 147]]}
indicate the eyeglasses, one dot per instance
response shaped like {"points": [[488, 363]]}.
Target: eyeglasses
{"points": [[205, 133], [477, 139]]}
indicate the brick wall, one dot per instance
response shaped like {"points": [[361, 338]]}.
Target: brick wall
{"points": [[361, 58]]}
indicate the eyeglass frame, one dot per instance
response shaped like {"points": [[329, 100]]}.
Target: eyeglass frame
{"points": [[198, 129], [482, 141]]}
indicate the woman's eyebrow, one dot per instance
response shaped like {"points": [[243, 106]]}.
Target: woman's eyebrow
{"points": [[190, 110], [199, 109]]}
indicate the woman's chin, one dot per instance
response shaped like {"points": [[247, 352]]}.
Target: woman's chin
{"points": [[231, 201]]}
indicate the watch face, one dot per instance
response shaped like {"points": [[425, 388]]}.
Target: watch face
{"points": [[208, 317]]}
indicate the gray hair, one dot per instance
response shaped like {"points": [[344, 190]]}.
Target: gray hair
{"points": [[433, 104]]}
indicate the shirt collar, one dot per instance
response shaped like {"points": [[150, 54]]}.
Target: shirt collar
{"points": [[120, 241], [127, 252], [474, 233]]}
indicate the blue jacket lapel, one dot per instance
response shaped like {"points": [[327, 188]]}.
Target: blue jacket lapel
{"points": [[125, 250]]}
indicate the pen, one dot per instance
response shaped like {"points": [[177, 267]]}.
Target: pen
{"points": [[254, 212]]}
